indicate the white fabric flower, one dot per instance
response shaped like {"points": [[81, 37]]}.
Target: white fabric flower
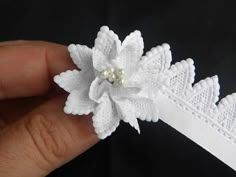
{"points": [[114, 82]]}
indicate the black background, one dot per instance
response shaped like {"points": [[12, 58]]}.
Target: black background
{"points": [[203, 30]]}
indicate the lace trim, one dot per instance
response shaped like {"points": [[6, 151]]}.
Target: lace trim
{"points": [[198, 115]]}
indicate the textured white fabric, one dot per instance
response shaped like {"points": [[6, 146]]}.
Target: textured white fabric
{"points": [[131, 52], [69, 80], [78, 103], [106, 118], [153, 88], [89, 92], [193, 111], [81, 55]]}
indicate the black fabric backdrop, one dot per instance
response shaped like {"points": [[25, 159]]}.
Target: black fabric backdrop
{"points": [[203, 30]]}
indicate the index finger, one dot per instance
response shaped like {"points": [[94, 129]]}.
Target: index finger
{"points": [[27, 69]]}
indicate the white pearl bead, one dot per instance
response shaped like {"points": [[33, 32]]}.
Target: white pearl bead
{"points": [[111, 70], [121, 82], [104, 74], [120, 72], [112, 77]]}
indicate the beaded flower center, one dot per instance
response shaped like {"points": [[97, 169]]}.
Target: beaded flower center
{"points": [[114, 75]]}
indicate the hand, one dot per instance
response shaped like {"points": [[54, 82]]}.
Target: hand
{"points": [[36, 136]]}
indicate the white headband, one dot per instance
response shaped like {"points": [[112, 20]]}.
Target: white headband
{"points": [[117, 83]]}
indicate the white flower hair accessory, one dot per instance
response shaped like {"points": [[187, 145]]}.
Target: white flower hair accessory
{"points": [[115, 82], [109, 83]]}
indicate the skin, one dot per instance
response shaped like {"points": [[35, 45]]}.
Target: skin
{"points": [[36, 136]]}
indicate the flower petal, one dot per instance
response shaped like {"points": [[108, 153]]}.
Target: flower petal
{"points": [[132, 108], [78, 103], [100, 61], [147, 81], [135, 41], [133, 121], [152, 67], [124, 91], [107, 42], [145, 109], [98, 89], [69, 80], [81, 55], [126, 111], [131, 52], [105, 119]]}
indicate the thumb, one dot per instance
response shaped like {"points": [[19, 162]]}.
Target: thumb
{"points": [[43, 140]]}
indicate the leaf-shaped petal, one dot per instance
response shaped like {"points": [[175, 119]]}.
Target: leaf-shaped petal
{"points": [[205, 94], [145, 109], [107, 42], [79, 103], [180, 77], [105, 119], [134, 41], [131, 108], [81, 55], [100, 61], [124, 91], [226, 114], [151, 66], [131, 52], [98, 89], [157, 60], [69, 80], [133, 121]]}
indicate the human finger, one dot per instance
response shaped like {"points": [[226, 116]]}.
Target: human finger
{"points": [[27, 69], [43, 140]]}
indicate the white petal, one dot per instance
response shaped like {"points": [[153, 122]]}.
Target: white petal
{"points": [[135, 42], [145, 109], [78, 103], [81, 55], [131, 52], [107, 42], [148, 81], [105, 119], [133, 121], [98, 88], [126, 111], [100, 61], [69, 80], [142, 108], [124, 91]]}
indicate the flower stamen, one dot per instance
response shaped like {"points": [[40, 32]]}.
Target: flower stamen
{"points": [[114, 75]]}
